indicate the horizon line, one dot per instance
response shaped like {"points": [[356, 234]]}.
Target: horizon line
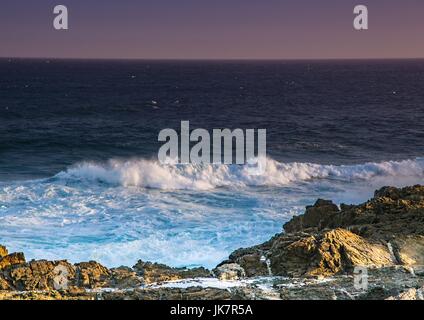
{"points": [[213, 59]]}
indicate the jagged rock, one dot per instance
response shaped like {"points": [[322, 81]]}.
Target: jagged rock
{"points": [[321, 254], [415, 193], [313, 217], [92, 275], [231, 271], [124, 277], [39, 275], [11, 259], [326, 254], [387, 230], [4, 284], [392, 212], [155, 272], [3, 251]]}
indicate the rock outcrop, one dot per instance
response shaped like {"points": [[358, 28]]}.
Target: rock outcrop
{"points": [[92, 275], [12, 259], [18, 275], [125, 277], [385, 231]]}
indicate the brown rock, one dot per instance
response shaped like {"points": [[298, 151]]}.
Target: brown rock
{"points": [[124, 277], [392, 212], [92, 275], [40, 275], [3, 251], [4, 284], [321, 254], [340, 250], [415, 193], [12, 259]]}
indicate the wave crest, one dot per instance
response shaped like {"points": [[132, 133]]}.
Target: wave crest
{"points": [[152, 174]]}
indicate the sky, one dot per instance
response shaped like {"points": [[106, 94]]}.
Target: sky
{"points": [[212, 29]]}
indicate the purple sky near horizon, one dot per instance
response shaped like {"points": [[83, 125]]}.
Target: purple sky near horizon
{"points": [[213, 29]]}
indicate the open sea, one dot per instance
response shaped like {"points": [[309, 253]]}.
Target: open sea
{"points": [[80, 180]]}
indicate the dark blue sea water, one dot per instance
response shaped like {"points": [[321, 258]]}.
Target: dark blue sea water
{"points": [[78, 144]]}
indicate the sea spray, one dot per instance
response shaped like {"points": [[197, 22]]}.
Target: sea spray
{"points": [[174, 176]]}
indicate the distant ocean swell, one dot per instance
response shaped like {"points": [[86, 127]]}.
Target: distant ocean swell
{"points": [[152, 174]]}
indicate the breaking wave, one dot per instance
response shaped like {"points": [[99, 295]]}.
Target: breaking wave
{"points": [[264, 172]]}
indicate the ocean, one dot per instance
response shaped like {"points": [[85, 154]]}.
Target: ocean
{"points": [[79, 177]]}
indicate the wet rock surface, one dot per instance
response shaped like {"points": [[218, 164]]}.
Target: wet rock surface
{"points": [[317, 257]]}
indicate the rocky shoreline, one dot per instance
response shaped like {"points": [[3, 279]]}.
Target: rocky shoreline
{"points": [[317, 257]]}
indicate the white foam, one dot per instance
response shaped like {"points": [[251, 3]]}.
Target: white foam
{"points": [[152, 174]]}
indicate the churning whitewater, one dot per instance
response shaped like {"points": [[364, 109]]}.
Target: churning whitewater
{"points": [[266, 172], [182, 215]]}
